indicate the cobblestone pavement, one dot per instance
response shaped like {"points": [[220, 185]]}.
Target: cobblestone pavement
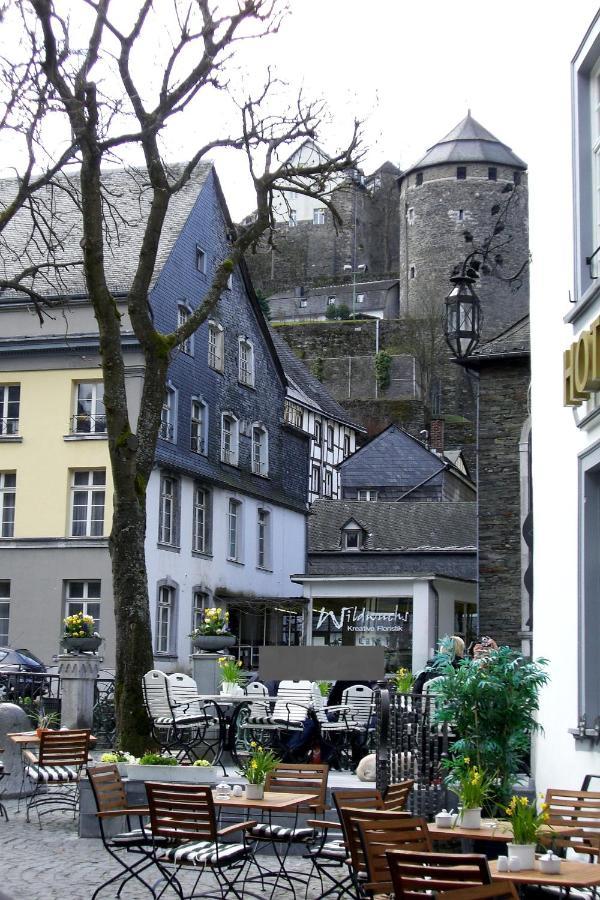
{"points": [[53, 863]]}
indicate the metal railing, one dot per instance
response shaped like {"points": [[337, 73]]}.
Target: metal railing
{"points": [[104, 719], [37, 694], [84, 424]]}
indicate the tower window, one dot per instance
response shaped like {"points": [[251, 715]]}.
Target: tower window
{"points": [[492, 173], [461, 173], [517, 178], [410, 215], [460, 215], [419, 179], [412, 272]]}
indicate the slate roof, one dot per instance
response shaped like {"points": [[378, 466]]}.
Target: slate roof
{"points": [[400, 527], [309, 389], [468, 142], [129, 198], [383, 284], [514, 341]]}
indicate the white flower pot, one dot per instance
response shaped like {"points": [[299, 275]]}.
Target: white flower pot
{"points": [[231, 689], [181, 774], [255, 791], [525, 853], [470, 818]]}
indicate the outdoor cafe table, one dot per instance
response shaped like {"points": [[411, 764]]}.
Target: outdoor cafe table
{"points": [[498, 831], [573, 874]]}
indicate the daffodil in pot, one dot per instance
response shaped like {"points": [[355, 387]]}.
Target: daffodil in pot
{"points": [[526, 822], [473, 787], [255, 769], [213, 633], [231, 676], [403, 681]]}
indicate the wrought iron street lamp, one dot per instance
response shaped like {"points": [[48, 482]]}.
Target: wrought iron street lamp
{"points": [[462, 320]]}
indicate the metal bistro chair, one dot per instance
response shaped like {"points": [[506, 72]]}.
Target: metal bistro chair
{"points": [[111, 802], [415, 875], [56, 770], [182, 723], [292, 705], [184, 816]]}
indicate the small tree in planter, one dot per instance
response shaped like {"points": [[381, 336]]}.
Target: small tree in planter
{"points": [[491, 706]]}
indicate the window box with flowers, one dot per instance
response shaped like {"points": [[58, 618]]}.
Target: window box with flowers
{"points": [[79, 635], [213, 634]]}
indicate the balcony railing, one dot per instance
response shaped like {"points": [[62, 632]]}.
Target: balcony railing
{"points": [[9, 426], [228, 456], [166, 431], [83, 424]]}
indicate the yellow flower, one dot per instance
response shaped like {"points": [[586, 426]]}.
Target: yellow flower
{"points": [[253, 744], [467, 760]]}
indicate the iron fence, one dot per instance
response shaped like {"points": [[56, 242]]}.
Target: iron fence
{"points": [[104, 721], [37, 694]]}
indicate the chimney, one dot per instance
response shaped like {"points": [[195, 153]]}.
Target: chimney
{"points": [[436, 435]]}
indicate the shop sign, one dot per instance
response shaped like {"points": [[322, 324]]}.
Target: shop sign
{"points": [[355, 618], [581, 372]]}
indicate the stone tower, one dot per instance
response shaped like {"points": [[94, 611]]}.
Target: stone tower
{"points": [[452, 190]]}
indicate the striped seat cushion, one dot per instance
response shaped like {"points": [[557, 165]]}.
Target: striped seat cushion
{"points": [[204, 853], [259, 720], [266, 832], [185, 720], [335, 850], [47, 774], [138, 838]]}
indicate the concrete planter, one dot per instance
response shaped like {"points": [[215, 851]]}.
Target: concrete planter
{"points": [[214, 642], [81, 644], [176, 774]]}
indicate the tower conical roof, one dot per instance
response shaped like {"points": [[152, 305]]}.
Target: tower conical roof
{"points": [[469, 142]]}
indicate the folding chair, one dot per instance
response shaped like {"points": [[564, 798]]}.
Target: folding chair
{"points": [[183, 815], [56, 771], [416, 874]]}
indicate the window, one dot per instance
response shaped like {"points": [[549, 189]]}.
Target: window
{"points": [[318, 216], [263, 534], [293, 414], [168, 514], [410, 215], [167, 416], [215, 346], [8, 489], [202, 532], [200, 602], [165, 619], [183, 314], [517, 178], [330, 437], [89, 416], [292, 218], [460, 215], [200, 259], [346, 445], [303, 304], [360, 298], [234, 530], [199, 427], [230, 281], [367, 494], [246, 362], [318, 431], [419, 179], [461, 173], [88, 490], [328, 483], [492, 173], [4, 611], [229, 439], [10, 397], [589, 566], [352, 536], [83, 597], [412, 272], [315, 480], [331, 301], [260, 451]]}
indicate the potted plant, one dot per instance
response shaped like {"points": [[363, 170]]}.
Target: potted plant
{"points": [[526, 822], [79, 635], [45, 721], [156, 767], [255, 769], [213, 633], [231, 676], [473, 788], [121, 759], [403, 681], [324, 688]]}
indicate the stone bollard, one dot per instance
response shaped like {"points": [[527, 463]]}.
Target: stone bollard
{"points": [[205, 672], [12, 718], [78, 673]]}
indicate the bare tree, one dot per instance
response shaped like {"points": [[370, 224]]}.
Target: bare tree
{"points": [[91, 87]]}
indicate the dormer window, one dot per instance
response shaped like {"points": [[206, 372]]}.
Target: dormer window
{"points": [[353, 536]]}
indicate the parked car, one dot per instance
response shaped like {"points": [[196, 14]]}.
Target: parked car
{"points": [[20, 672]]}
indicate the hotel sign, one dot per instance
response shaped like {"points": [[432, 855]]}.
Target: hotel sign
{"points": [[355, 618], [582, 366]]}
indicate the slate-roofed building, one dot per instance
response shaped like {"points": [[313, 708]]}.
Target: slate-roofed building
{"points": [[310, 408], [400, 575], [227, 501], [394, 465], [373, 299]]}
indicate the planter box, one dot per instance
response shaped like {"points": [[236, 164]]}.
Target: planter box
{"points": [[82, 644], [181, 774], [214, 642]]}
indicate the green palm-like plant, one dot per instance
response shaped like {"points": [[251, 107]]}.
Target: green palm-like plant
{"points": [[492, 705]]}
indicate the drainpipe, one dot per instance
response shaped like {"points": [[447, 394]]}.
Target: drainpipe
{"points": [[376, 352]]}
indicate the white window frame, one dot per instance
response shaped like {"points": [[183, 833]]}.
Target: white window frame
{"points": [[368, 494], [331, 300], [293, 414], [346, 445], [169, 510], [183, 314], [166, 606], [200, 602], [410, 215], [352, 539], [315, 479], [230, 439], [8, 503], [88, 603], [303, 304], [4, 611], [330, 437], [260, 450], [95, 484], [202, 519], [9, 424], [263, 538], [199, 426], [328, 483], [595, 162], [245, 361], [216, 346], [89, 414], [234, 530], [201, 257], [319, 215], [318, 431], [168, 416], [360, 298]]}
